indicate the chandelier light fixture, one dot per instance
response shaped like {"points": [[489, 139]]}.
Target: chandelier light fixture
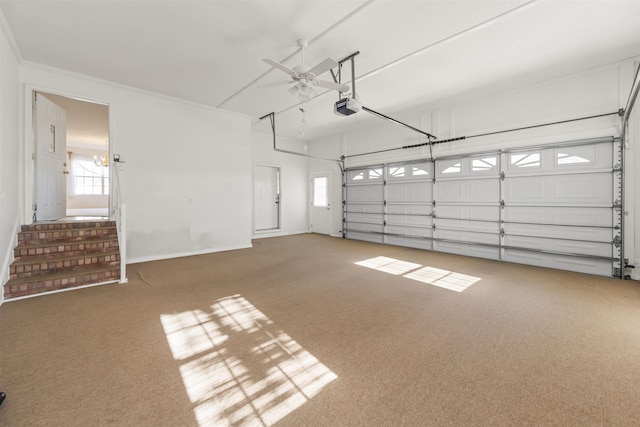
{"points": [[103, 160]]}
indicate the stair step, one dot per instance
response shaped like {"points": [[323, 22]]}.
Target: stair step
{"points": [[58, 225], [38, 266], [58, 255], [15, 288], [31, 237], [55, 249]]}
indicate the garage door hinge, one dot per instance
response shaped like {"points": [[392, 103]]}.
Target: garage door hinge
{"points": [[617, 204], [502, 176], [433, 226], [434, 203], [502, 204], [617, 167], [502, 232], [617, 241]]}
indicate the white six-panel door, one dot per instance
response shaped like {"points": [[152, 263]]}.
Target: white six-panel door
{"points": [[51, 167], [552, 206]]}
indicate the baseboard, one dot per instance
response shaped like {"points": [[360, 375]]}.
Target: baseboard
{"points": [[276, 233], [186, 254]]}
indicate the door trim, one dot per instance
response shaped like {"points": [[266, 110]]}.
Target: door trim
{"points": [[26, 186], [279, 210]]}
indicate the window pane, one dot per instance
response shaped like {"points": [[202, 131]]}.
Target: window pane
{"points": [[396, 171], [575, 155], [87, 178], [484, 164], [418, 170], [320, 191], [375, 173], [450, 167], [525, 160]]}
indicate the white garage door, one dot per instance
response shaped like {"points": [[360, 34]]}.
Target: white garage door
{"points": [[552, 206], [364, 204], [559, 207], [468, 206]]}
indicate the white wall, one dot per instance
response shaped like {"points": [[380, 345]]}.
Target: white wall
{"points": [[9, 155], [592, 92], [293, 181], [187, 182]]}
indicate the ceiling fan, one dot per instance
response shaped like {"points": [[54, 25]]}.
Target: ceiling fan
{"points": [[304, 77]]}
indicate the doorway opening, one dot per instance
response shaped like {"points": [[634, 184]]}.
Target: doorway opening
{"points": [[266, 198], [72, 167]]}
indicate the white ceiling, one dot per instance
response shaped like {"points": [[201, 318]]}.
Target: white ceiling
{"points": [[411, 52]]}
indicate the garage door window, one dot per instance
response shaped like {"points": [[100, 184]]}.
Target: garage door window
{"points": [[575, 155], [484, 164], [525, 160]]}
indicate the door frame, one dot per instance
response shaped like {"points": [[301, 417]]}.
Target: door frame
{"points": [[27, 185], [329, 176], [253, 192]]}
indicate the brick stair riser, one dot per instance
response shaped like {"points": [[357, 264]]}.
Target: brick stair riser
{"points": [[63, 249], [37, 237], [48, 285], [53, 266], [67, 225]]}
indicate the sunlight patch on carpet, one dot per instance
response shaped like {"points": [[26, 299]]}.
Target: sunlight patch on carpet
{"points": [[388, 265], [238, 368], [433, 276]]}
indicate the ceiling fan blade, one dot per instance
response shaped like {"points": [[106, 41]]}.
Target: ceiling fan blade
{"points": [[330, 85], [322, 67], [280, 67]]}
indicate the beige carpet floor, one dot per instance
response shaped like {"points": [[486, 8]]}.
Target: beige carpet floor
{"points": [[310, 330]]}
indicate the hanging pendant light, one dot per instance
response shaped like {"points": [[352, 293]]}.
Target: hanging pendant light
{"points": [[103, 160]]}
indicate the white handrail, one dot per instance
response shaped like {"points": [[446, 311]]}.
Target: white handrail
{"points": [[119, 213]]}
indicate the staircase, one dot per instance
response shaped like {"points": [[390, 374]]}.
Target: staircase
{"points": [[59, 255]]}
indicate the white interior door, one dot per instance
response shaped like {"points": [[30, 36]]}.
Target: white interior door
{"points": [[321, 203], [51, 167], [266, 197]]}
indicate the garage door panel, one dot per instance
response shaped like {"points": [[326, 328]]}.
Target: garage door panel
{"points": [[580, 265], [567, 232], [486, 213], [559, 189], [559, 215], [417, 215], [480, 226], [452, 238], [365, 193], [409, 192], [561, 246], [465, 191], [414, 237], [367, 232]]}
